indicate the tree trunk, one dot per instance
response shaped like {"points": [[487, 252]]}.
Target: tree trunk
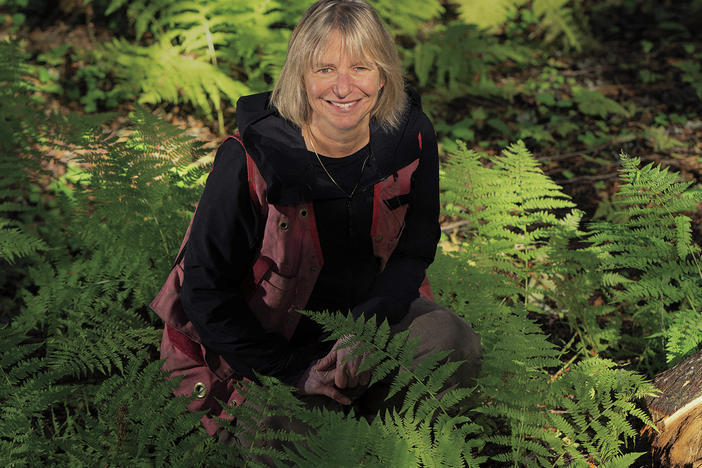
{"points": [[677, 413]]}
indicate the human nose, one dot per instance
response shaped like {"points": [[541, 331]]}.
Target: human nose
{"points": [[342, 86]]}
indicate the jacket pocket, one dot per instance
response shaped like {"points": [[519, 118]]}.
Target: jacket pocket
{"points": [[271, 300]]}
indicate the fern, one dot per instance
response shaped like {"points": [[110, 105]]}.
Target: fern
{"points": [[21, 164], [204, 53], [407, 18], [79, 316], [14, 243], [593, 102], [556, 17], [163, 72], [594, 403], [137, 420], [394, 355], [464, 68], [684, 335], [513, 255], [510, 213], [650, 265]]}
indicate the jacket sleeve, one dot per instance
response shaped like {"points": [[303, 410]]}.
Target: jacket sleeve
{"points": [[398, 284], [223, 242]]}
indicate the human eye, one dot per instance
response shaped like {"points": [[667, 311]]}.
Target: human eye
{"points": [[324, 70]]}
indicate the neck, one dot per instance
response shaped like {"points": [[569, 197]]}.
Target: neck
{"points": [[336, 146]]}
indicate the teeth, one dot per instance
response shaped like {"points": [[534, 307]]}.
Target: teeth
{"points": [[343, 106]]}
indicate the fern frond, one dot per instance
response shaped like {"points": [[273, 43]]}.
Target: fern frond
{"points": [[684, 335], [465, 68], [164, 73], [556, 17], [597, 399], [487, 14], [650, 264], [139, 421], [510, 208], [15, 243], [407, 17]]}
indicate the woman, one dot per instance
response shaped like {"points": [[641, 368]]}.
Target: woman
{"points": [[335, 207]]}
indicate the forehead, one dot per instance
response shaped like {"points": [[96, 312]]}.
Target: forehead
{"points": [[337, 48]]}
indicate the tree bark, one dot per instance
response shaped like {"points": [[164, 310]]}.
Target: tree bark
{"points": [[677, 413]]}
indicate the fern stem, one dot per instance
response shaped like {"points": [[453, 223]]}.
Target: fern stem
{"points": [[220, 120], [213, 59], [563, 368], [163, 236]]}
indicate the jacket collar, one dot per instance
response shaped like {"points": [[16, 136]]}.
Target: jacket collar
{"points": [[290, 170]]}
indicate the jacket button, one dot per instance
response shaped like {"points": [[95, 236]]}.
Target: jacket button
{"points": [[200, 390], [304, 213], [378, 238], [283, 226]]}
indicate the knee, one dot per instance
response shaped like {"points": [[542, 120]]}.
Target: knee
{"points": [[442, 329]]}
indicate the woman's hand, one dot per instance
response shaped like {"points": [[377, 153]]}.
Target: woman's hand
{"points": [[346, 373], [319, 378]]}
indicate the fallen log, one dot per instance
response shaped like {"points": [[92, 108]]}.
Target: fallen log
{"points": [[677, 413]]}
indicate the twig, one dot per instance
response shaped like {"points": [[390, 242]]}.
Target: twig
{"points": [[452, 226]]}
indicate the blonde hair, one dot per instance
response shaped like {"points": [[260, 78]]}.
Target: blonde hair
{"points": [[363, 35]]}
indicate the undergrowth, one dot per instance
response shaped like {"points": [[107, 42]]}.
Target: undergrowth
{"points": [[83, 256]]}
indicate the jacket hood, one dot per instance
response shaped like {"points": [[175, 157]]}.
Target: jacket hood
{"points": [[278, 149]]}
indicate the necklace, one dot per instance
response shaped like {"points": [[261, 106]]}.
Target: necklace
{"points": [[326, 171]]}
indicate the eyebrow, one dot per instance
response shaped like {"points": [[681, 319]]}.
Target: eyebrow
{"points": [[366, 63]]}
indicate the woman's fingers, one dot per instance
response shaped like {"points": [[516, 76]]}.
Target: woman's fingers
{"points": [[324, 384], [346, 375], [335, 394], [340, 378], [326, 363]]}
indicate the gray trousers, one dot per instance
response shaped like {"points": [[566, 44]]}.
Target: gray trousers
{"points": [[437, 328]]}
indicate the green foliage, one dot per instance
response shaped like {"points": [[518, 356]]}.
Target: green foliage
{"points": [[201, 53], [510, 209], [131, 417], [21, 168], [408, 17], [465, 67], [555, 18], [593, 102], [649, 263], [514, 260], [78, 354], [692, 73], [15, 243]]}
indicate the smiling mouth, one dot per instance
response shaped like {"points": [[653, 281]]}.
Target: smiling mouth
{"points": [[342, 105]]}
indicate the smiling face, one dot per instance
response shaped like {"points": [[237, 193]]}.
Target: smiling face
{"points": [[342, 91]]}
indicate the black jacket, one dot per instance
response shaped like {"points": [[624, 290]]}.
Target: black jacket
{"points": [[227, 231]]}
